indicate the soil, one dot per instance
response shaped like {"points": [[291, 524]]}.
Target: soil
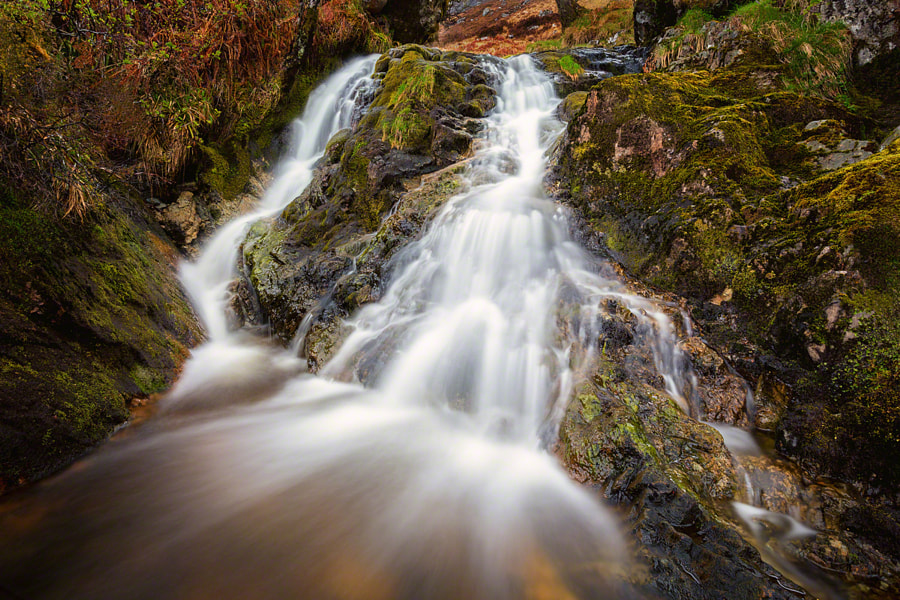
{"points": [[499, 27]]}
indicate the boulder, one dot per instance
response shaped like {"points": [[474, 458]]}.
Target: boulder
{"points": [[874, 26], [828, 142], [414, 21], [180, 219]]}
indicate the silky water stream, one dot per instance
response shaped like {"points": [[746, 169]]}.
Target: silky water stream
{"points": [[415, 464]]}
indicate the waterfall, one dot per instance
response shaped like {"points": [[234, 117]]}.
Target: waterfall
{"points": [[330, 108], [430, 476]]}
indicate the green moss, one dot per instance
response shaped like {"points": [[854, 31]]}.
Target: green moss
{"points": [[91, 314], [573, 104], [226, 171], [147, 380], [570, 66], [405, 130], [606, 431]]}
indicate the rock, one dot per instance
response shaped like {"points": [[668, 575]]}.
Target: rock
{"points": [[651, 18], [683, 176], [571, 105], [579, 69], [891, 138], [874, 26], [656, 463], [180, 219], [414, 21], [828, 142]]}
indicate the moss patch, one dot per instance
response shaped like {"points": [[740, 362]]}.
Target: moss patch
{"points": [[693, 181], [91, 316]]}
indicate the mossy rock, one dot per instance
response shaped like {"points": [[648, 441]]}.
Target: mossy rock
{"points": [[696, 191], [92, 316], [572, 105], [419, 121], [671, 476]]}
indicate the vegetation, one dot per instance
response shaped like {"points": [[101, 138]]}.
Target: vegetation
{"points": [[570, 67], [813, 56], [606, 22], [130, 88]]}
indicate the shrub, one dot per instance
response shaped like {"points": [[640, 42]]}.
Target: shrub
{"points": [[141, 82]]}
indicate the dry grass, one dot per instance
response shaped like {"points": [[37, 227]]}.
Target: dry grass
{"points": [[132, 86], [602, 20], [45, 160], [344, 26], [815, 55]]}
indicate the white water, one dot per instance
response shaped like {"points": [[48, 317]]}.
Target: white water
{"points": [[471, 321], [432, 482], [329, 109]]}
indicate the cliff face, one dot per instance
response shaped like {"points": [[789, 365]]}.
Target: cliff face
{"points": [[875, 26]]}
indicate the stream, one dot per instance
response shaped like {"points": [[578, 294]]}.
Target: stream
{"points": [[418, 463]]}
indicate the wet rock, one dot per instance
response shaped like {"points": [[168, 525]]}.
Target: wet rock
{"points": [[180, 219], [654, 462], [579, 69], [873, 25], [414, 21], [723, 394], [891, 138], [682, 176], [316, 264]]}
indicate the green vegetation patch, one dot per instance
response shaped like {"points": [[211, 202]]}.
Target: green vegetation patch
{"points": [[91, 316], [813, 56]]}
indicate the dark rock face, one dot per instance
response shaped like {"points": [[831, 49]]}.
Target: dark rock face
{"points": [[651, 18], [874, 26], [414, 21]]}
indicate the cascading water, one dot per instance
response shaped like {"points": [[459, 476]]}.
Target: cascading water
{"points": [[330, 108], [323, 488]]}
